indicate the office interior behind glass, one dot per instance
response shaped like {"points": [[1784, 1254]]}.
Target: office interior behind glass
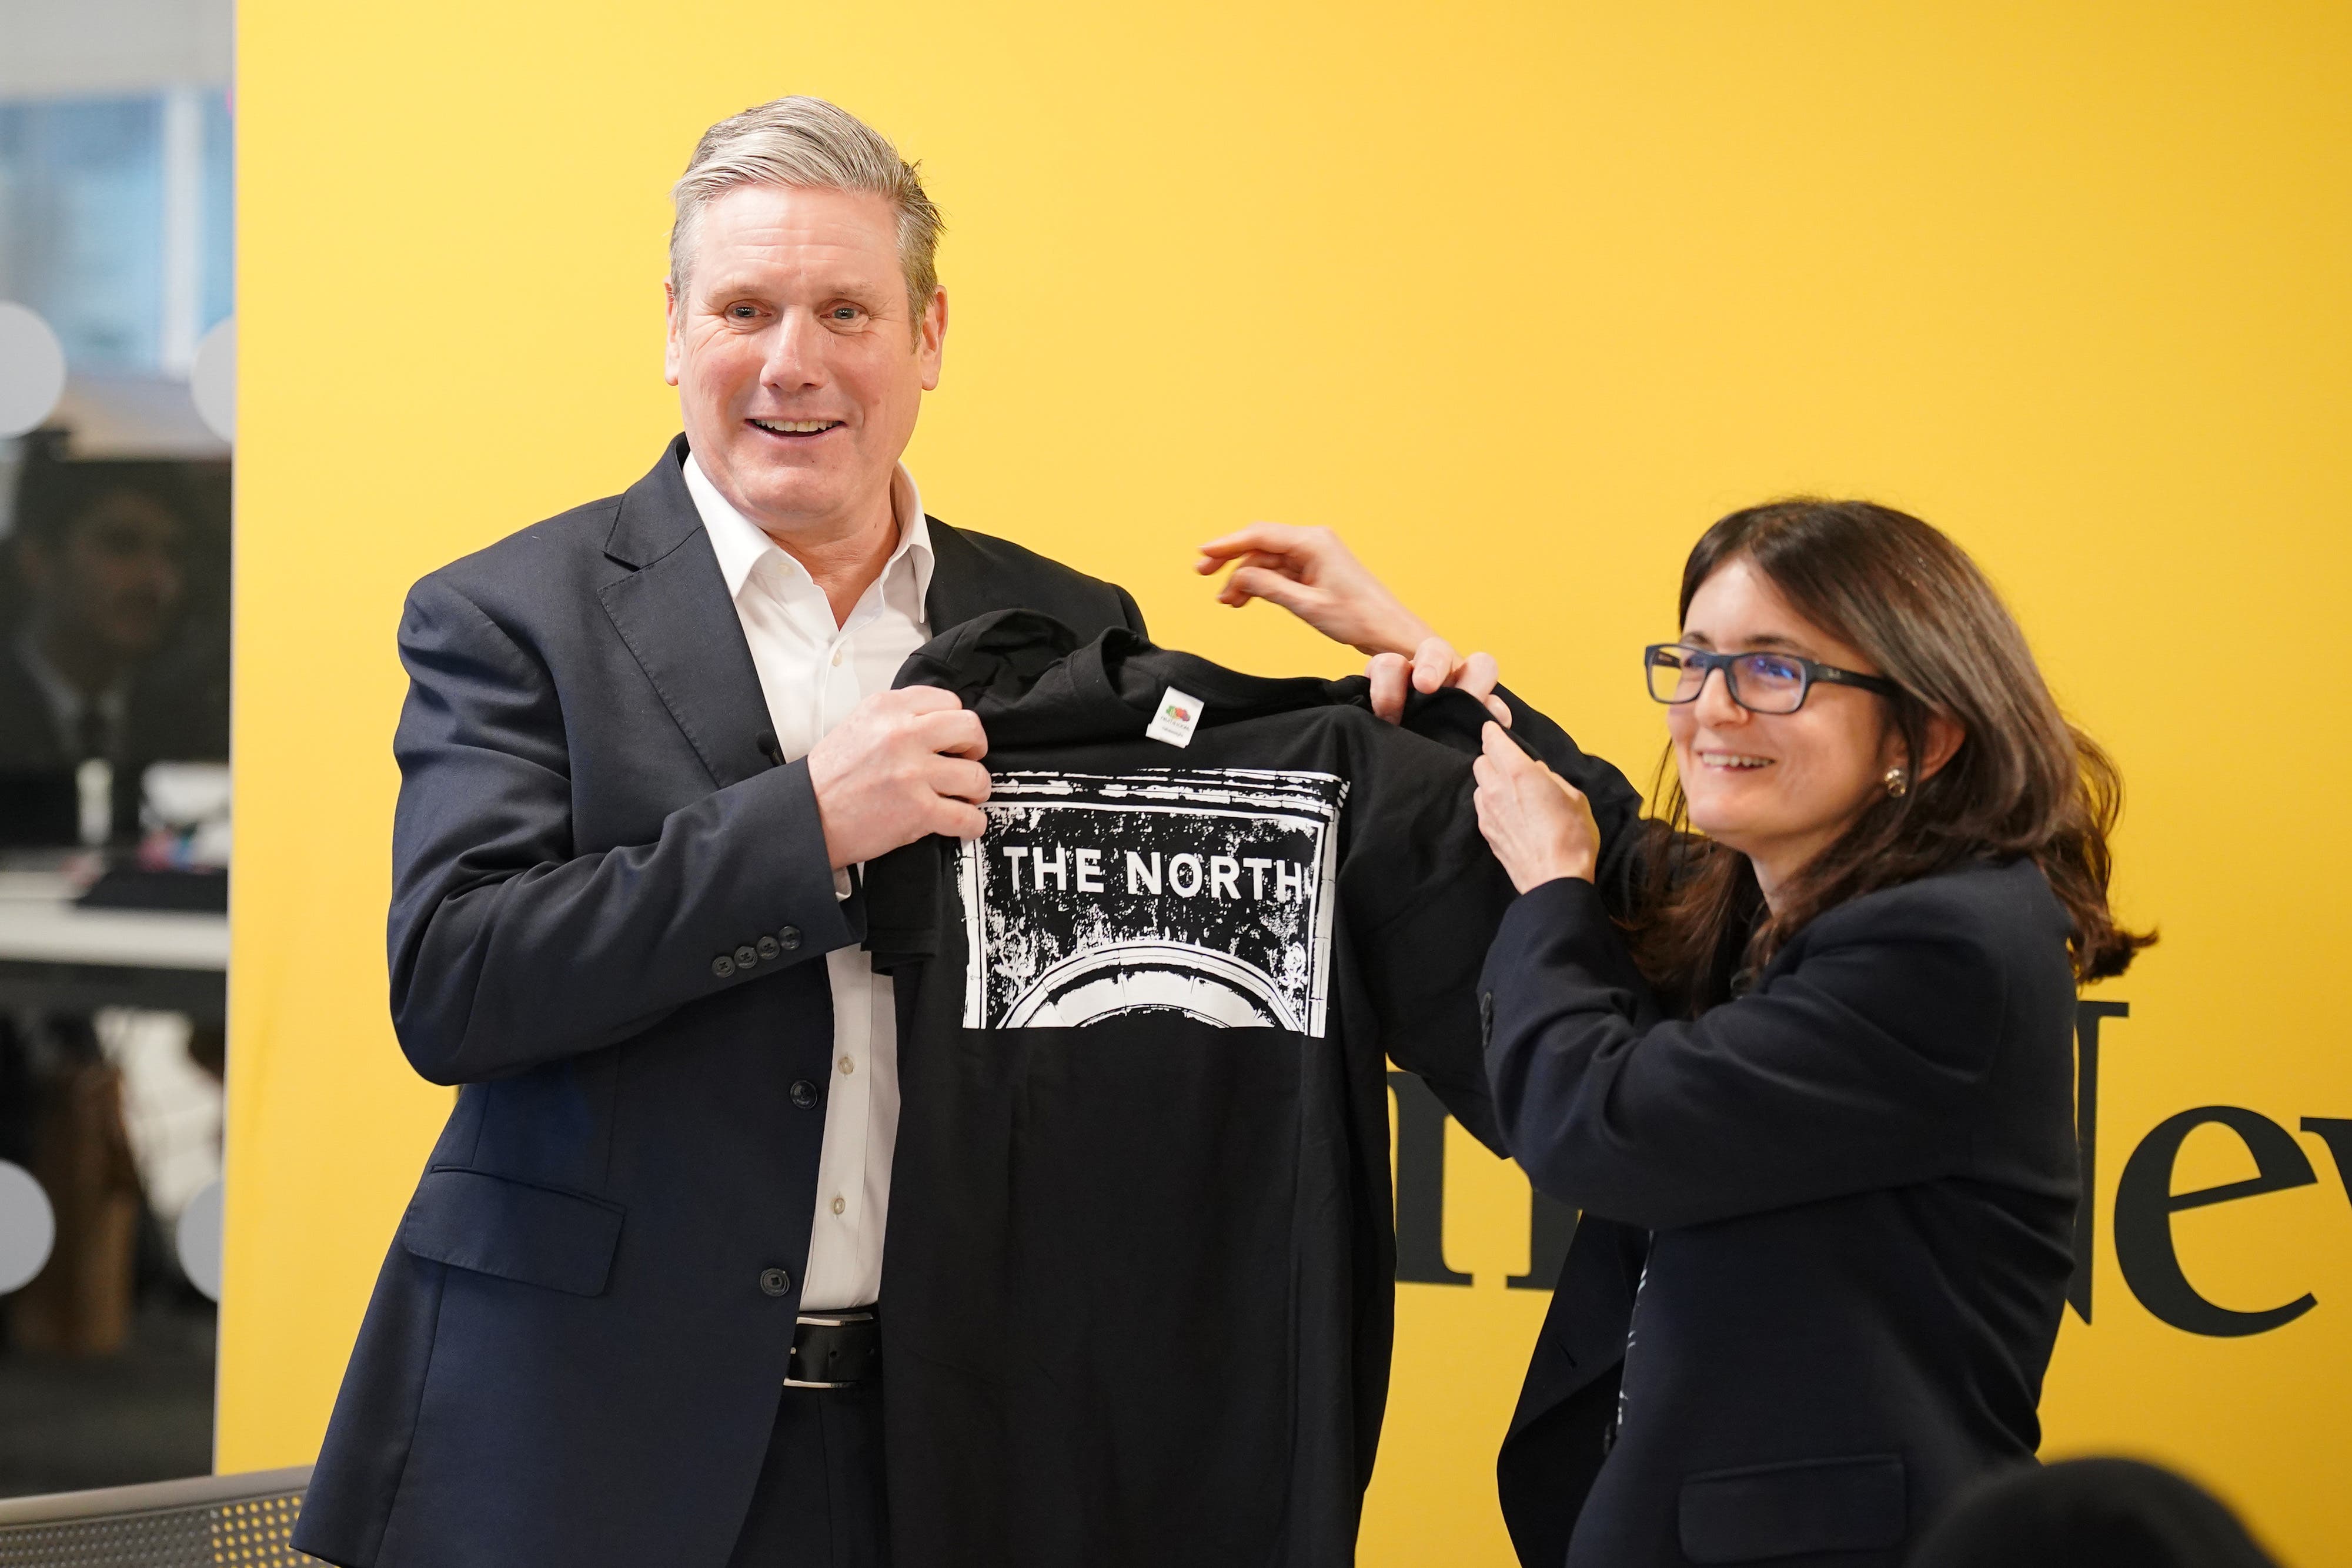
{"points": [[117, 381]]}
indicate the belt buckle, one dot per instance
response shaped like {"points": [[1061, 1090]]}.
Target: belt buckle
{"points": [[828, 1320]]}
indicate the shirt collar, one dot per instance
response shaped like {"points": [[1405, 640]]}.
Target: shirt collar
{"points": [[65, 699], [740, 543]]}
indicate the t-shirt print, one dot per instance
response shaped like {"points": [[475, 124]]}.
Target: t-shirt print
{"points": [[1205, 894]]}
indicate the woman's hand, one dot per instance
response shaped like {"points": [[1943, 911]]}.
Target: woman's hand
{"points": [[1310, 573], [1434, 665], [1538, 825]]}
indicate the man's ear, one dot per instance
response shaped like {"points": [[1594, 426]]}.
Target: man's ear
{"points": [[931, 337], [669, 340]]}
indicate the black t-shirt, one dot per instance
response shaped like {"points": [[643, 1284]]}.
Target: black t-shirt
{"points": [[1138, 1292]]}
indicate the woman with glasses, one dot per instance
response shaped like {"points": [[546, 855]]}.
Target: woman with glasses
{"points": [[1800, 1047]]}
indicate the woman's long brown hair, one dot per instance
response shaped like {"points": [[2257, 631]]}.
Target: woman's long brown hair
{"points": [[2023, 783]]}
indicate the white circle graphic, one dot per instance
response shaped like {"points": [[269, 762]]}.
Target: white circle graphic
{"points": [[198, 1239], [212, 382], [1102, 983], [31, 370], [28, 1228]]}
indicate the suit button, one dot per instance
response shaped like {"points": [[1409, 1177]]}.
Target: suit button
{"points": [[775, 1283], [745, 957], [804, 1094], [789, 937], [722, 966], [768, 948]]}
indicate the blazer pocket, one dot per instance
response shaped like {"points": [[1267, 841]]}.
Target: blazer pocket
{"points": [[1778, 1510], [496, 1225]]}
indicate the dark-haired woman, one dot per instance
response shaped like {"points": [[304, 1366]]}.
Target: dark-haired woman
{"points": [[1807, 1071]]}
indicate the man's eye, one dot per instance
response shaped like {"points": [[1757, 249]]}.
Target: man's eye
{"points": [[743, 313]]}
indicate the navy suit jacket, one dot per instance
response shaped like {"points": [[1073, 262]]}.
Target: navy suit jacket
{"points": [[1845, 1199], [608, 913]]}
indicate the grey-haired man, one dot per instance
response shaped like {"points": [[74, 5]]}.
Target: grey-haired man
{"points": [[628, 1317]]}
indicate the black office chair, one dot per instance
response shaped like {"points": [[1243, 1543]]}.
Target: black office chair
{"points": [[2088, 1513], [211, 1522]]}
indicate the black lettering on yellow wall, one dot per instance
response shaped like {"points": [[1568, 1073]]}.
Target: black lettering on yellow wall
{"points": [[2338, 1136], [1551, 1225], [1420, 1185], [2145, 1203], [2087, 1017]]}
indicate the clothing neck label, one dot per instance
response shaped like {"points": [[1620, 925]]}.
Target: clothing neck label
{"points": [[1178, 718]]}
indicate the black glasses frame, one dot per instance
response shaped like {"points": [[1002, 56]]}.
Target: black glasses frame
{"points": [[1812, 673]]}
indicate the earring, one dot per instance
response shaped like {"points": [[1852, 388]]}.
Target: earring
{"points": [[1897, 782]]}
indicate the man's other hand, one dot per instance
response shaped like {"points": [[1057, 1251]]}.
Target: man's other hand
{"points": [[903, 766]]}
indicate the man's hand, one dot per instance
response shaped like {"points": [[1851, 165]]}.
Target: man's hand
{"points": [[1537, 823], [1310, 573], [903, 766]]}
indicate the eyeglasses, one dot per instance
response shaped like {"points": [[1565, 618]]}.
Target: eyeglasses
{"points": [[1760, 683]]}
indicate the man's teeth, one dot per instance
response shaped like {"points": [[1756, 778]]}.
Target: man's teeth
{"points": [[796, 426]]}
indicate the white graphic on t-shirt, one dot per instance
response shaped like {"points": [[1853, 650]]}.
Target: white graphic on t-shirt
{"points": [[1205, 893]]}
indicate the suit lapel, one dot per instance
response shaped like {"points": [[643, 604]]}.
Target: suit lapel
{"points": [[964, 583], [673, 611]]}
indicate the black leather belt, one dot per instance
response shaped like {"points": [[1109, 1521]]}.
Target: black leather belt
{"points": [[836, 1350]]}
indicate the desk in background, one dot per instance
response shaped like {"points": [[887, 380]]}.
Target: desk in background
{"points": [[57, 958]]}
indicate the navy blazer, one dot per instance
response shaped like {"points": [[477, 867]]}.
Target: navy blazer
{"points": [[608, 910], [1844, 1202]]}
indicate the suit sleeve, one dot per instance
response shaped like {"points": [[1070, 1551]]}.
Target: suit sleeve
{"points": [[1856, 1069], [508, 948]]}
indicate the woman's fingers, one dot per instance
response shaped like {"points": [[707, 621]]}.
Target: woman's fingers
{"points": [[1275, 587], [1478, 675], [1434, 665], [1312, 573], [1271, 539], [1495, 747], [1388, 674], [1538, 826], [1437, 664]]}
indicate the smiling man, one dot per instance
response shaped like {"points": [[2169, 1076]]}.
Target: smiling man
{"points": [[629, 1316]]}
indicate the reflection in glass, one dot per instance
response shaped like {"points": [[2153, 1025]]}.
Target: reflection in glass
{"points": [[116, 226]]}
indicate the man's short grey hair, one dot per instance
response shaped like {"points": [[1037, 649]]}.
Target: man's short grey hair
{"points": [[814, 145]]}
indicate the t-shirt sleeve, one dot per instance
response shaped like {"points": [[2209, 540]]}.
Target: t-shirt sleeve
{"points": [[1422, 896], [1458, 721]]}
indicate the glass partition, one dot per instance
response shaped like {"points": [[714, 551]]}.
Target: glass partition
{"points": [[116, 423]]}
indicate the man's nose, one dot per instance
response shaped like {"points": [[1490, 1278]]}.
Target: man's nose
{"points": [[795, 353]]}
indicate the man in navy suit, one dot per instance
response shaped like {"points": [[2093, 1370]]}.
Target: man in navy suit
{"points": [[629, 1316]]}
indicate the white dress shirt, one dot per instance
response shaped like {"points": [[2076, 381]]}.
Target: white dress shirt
{"points": [[812, 673]]}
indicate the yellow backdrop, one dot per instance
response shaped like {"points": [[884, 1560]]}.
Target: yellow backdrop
{"points": [[1521, 295]]}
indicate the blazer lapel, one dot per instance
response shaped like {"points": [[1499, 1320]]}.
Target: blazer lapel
{"points": [[964, 583], [673, 611]]}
